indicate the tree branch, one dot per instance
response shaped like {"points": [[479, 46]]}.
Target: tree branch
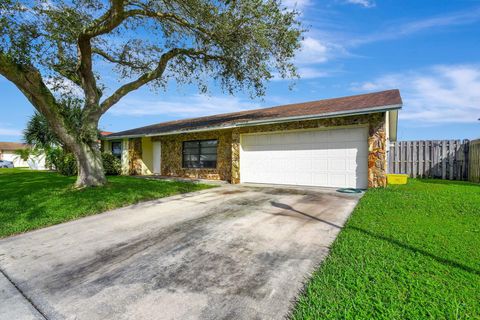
{"points": [[29, 80], [113, 59], [153, 75]]}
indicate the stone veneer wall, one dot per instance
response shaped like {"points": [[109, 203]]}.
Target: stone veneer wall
{"points": [[172, 155], [376, 141], [135, 156]]}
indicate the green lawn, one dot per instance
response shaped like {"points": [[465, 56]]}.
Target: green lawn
{"points": [[407, 252], [32, 199]]}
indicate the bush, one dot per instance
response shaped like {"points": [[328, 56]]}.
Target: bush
{"points": [[67, 164], [111, 164], [52, 157], [64, 162]]}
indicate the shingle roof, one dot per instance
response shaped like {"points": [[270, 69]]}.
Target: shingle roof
{"points": [[12, 145], [337, 106]]}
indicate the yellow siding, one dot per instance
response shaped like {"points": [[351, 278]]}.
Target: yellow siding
{"points": [[106, 146], [147, 155]]}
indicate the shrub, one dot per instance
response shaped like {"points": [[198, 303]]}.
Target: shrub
{"points": [[64, 162], [52, 157], [67, 164], [111, 164]]}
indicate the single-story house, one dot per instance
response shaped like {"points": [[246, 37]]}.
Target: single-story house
{"points": [[341, 142], [7, 152]]}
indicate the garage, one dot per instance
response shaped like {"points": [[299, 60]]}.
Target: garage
{"points": [[326, 158]]}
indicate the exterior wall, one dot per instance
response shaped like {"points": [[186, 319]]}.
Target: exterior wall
{"points": [[377, 156], [172, 155], [135, 162], [9, 155], [140, 155], [387, 142], [376, 141], [125, 158], [147, 156], [106, 146], [33, 162]]}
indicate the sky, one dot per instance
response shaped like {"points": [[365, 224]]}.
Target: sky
{"points": [[430, 50]]}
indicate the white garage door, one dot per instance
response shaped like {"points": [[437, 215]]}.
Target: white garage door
{"points": [[329, 158]]}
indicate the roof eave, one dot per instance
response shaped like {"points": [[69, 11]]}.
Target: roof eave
{"points": [[269, 121], [323, 115]]}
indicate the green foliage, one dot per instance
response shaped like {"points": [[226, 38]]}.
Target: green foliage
{"points": [[67, 164], [56, 44], [36, 199], [239, 44], [111, 164], [60, 160], [24, 154], [52, 157], [407, 252], [39, 132]]}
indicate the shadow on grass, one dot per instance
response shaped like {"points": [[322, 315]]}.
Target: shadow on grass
{"points": [[384, 238]]}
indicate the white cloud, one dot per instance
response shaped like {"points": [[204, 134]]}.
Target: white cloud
{"points": [[312, 73], [10, 132], [363, 3], [440, 94], [398, 30], [194, 106], [63, 86], [312, 51]]}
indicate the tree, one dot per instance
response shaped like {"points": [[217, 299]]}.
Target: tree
{"points": [[38, 132], [58, 48]]}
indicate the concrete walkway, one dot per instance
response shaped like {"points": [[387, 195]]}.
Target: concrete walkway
{"points": [[233, 252]]}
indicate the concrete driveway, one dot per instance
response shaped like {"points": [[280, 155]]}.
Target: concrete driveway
{"points": [[233, 252]]}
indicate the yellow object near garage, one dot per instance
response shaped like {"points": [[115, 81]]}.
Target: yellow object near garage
{"points": [[397, 178]]}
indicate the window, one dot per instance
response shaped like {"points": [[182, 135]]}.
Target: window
{"points": [[117, 149], [200, 154]]}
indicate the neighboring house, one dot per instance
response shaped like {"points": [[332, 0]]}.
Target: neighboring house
{"points": [[340, 142], [7, 152]]}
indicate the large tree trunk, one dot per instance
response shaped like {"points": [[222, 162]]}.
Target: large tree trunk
{"points": [[83, 143], [90, 166]]}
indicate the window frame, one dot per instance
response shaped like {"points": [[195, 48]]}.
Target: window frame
{"points": [[198, 154]]}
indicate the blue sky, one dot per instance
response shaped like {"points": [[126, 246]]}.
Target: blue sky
{"points": [[430, 50]]}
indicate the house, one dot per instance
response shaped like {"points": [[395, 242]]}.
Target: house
{"points": [[7, 152], [339, 142]]}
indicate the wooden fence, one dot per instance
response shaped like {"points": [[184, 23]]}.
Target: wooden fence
{"points": [[445, 159], [474, 161]]}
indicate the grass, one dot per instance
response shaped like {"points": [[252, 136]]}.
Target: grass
{"points": [[407, 252], [32, 199]]}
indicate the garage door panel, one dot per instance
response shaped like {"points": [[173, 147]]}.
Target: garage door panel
{"points": [[337, 180], [320, 179], [334, 158], [303, 178], [320, 164], [337, 165]]}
